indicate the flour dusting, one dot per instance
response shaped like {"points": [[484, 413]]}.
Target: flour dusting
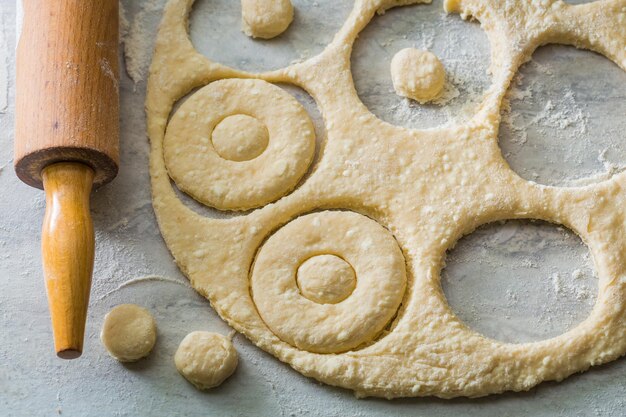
{"points": [[4, 69], [138, 39]]}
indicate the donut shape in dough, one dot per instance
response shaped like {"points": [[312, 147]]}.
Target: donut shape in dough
{"points": [[128, 332], [428, 186], [197, 168], [206, 359], [265, 18], [378, 264], [417, 74]]}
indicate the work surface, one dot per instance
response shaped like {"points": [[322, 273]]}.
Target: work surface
{"points": [[518, 282]]}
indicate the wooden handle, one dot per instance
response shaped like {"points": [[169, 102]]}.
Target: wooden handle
{"points": [[67, 247], [67, 88]]}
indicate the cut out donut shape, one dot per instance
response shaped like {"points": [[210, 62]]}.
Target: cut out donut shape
{"points": [[249, 180], [366, 246]]}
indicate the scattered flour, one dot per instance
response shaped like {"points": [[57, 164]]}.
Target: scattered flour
{"points": [[143, 279], [4, 69], [138, 38]]}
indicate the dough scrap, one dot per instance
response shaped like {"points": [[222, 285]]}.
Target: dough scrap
{"points": [[417, 74], [206, 359], [128, 332], [427, 187], [265, 18]]}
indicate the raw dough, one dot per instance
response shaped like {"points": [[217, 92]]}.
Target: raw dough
{"points": [[329, 328], [426, 187], [206, 359], [265, 18], [240, 138], [325, 279], [199, 170], [128, 332], [417, 74]]}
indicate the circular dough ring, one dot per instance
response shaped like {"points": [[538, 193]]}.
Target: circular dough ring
{"points": [[368, 247], [198, 170]]}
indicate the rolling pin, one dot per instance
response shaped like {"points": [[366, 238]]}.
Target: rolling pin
{"points": [[67, 141]]}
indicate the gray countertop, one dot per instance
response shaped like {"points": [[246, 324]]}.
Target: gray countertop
{"points": [[518, 281]]}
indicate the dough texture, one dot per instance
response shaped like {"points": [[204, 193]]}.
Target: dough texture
{"points": [[265, 18], [329, 328], [128, 332], [326, 279], [417, 74], [236, 183], [206, 359], [388, 200], [240, 138]]}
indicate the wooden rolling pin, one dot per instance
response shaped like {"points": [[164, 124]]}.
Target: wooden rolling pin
{"points": [[67, 141]]}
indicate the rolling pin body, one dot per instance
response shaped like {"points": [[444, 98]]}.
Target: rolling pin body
{"points": [[67, 140]]}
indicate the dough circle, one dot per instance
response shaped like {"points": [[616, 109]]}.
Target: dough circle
{"points": [[206, 359], [198, 169], [240, 138], [329, 328], [429, 186], [128, 332], [265, 18], [326, 279], [417, 74]]}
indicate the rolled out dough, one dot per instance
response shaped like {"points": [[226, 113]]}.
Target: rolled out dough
{"points": [[413, 193]]}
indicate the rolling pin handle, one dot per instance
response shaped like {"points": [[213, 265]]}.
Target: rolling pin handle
{"points": [[67, 246]]}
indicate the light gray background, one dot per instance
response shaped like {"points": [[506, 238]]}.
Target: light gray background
{"points": [[518, 281]]}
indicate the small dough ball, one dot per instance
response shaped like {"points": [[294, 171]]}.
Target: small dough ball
{"points": [[240, 137], [417, 74], [128, 332], [265, 18], [326, 279], [206, 359]]}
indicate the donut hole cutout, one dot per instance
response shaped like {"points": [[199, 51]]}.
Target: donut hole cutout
{"points": [[215, 23], [563, 119], [461, 46], [520, 281], [326, 279], [320, 139], [240, 137]]}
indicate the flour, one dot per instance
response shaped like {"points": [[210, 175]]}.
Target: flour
{"points": [[4, 69], [137, 280], [138, 38]]}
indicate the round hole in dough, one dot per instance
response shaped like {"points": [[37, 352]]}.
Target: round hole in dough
{"points": [[378, 265], [417, 74], [520, 281], [206, 359], [265, 18], [326, 279], [240, 138], [128, 332], [197, 168]]}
